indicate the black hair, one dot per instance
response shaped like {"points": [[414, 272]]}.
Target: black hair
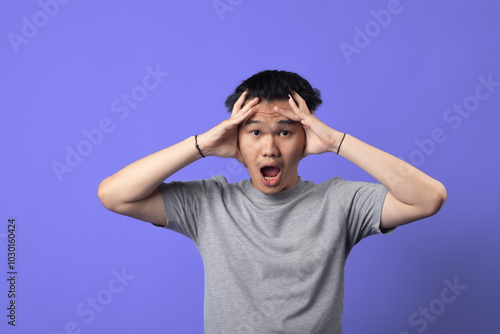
{"points": [[272, 85]]}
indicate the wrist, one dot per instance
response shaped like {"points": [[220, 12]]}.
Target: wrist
{"points": [[338, 142], [197, 146], [339, 146]]}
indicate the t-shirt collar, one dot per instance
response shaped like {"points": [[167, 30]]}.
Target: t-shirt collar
{"points": [[285, 195]]}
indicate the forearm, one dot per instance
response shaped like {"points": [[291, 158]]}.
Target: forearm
{"points": [[405, 182], [139, 179]]}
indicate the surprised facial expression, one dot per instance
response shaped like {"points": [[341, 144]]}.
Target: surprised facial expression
{"points": [[271, 147]]}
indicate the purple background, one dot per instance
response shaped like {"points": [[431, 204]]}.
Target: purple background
{"points": [[67, 65]]}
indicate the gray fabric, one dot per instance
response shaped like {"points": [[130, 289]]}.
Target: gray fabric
{"points": [[273, 263]]}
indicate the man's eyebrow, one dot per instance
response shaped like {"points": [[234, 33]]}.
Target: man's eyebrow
{"points": [[252, 121], [286, 121]]}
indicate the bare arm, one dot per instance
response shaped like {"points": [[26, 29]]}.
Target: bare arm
{"points": [[412, 194], [133, 191]]}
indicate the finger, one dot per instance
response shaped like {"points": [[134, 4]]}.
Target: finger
{"points": [[249, 105], [302, 115], [300, 102], [290, 114], [246, 108], [243, 115], [237, 105], [290, 99]]}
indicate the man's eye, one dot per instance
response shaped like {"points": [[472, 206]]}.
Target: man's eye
{"points": [[284, 133], [255, 132]]}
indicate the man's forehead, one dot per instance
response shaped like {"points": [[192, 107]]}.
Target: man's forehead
{"points": [[264, 112], [266, 104]]}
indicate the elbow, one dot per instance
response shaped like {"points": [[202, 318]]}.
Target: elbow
{"points": [[105, 195], [436, 199]]}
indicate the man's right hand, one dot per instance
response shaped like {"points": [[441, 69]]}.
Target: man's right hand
{"points": [[222, 140]]}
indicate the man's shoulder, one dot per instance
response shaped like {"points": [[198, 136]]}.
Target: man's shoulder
{"points": [[332, 182], [341, 185], [340, 181]]}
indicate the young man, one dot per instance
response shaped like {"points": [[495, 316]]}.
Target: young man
{"points": [[273, 247]]}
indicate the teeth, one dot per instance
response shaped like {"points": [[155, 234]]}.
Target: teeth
{"points": [[269, 178]]}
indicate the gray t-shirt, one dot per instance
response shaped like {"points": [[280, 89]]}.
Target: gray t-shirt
{"points": [[273, 263]]}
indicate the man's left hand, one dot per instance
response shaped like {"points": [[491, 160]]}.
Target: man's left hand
{"points": [[320, 138]]}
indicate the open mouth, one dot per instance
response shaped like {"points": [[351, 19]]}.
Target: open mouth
{"points": [[270, 175]]}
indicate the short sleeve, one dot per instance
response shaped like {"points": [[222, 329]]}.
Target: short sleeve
{"points": [[183, 203], [181, 206], [361, 204]]}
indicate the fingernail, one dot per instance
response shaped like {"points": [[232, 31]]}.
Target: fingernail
{"points": [[290, 96]]}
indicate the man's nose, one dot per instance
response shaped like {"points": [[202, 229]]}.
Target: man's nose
{"points": [[270, 147]]}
